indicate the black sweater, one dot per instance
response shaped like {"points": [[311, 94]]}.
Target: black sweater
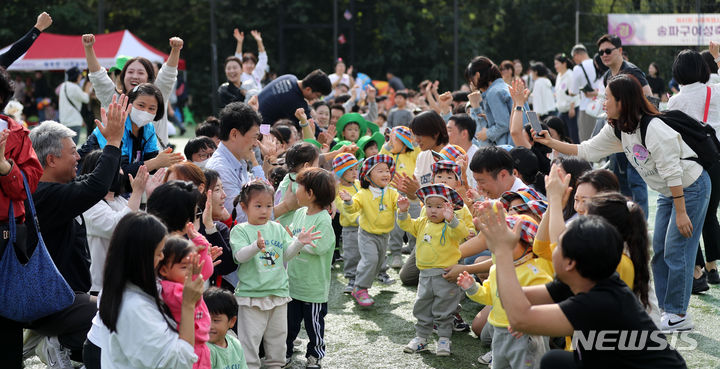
{"points": [[60, 207], [19, 47]]}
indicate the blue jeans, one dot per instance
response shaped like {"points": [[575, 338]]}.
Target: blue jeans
{"points": [[674, 259], [572, 125], [631, 183]]}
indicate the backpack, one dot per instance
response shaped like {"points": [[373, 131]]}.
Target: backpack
{"points": [[700, 137]]}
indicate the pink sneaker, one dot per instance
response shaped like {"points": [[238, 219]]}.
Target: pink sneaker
{"points": [[362, 297]]}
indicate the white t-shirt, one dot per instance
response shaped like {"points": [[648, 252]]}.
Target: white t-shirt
{"points": [[543, 97], [345, 79], [423, 167], [70, 102], [100, 222], [472, 183], [580, 81], [563, 84], [517, 185]]}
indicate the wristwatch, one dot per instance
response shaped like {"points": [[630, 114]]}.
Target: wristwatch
{"points": [[717, 60], [519, 108]]}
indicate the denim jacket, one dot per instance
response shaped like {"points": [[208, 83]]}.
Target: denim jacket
{"points": [[497, 105]]}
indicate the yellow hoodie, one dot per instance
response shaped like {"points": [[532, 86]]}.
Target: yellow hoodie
{"points": [[347, 219], [438, 244], [375, 218]]}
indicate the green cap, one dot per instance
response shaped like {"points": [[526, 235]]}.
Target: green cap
{"points": [[358, 154], [378, 137], [314, 142], [120, 63], [351, 118]]}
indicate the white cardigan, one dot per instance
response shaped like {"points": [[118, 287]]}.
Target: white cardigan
{"points": [[659, 164], [691, 101], [100, 222], [543, 97], [143, 338]]}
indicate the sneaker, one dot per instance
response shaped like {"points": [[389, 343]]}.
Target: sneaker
{"points": [[350, 287], [31, 339], [54, 355], [713, 277], [443, 347], [700, 284], [313, 363], [675, 323], [486, 359], [288, 363], [416, 345], [459, 324], [396, 262], [385, 279], [362, 297], [406, 250]]}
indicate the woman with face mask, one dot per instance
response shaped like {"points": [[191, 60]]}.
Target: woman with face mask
{"points": [[136, 71], [139, 143]]}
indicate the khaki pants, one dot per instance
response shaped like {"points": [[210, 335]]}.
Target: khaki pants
{"points": [[267, 326]]}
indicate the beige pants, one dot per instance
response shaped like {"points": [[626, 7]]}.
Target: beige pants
{"points": [[267, 326]]}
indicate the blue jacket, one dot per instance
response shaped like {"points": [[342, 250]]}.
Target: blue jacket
{"points": [[497, 105]]}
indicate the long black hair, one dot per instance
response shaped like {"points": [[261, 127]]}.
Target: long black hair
{"points": [[175, 203], [575, 167], [130, 259]]}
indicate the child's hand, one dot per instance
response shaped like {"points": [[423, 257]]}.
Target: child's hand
{"points": [[403, 204], [190, 231], [215, 252], [193, 286], [465, 281], [307, 237], [345, 196], [514, 333], [473, 194], [155, 181], [260, 242], [300, 114], [448, 211]]}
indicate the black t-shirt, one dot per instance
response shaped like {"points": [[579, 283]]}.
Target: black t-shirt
{"points": [[657, 85], [627, 68], [280, 98], [611, 306]]}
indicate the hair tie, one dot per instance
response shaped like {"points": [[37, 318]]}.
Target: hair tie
{"points": [[630, 205]]}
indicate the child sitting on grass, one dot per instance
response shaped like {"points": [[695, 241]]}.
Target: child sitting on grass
{"points": [[507, 350], [438, 235], [225, 350]]}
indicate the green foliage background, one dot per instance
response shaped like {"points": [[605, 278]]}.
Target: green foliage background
{"points": [[414, 38]]}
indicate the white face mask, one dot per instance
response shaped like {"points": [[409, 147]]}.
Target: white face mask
{"points": [[201, 164], [140, 117]]}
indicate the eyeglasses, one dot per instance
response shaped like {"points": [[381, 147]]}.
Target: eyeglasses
{"points": [[607, 51]]}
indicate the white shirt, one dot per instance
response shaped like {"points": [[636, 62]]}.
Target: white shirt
{"points": [[563, 84], [100, 222], [658, 163], [579, 81], [423, 168], [258, 72], [472, 183], [691, 101], [344, 80], [70, 102], [518, 185], [143, 338], [543, 97]]}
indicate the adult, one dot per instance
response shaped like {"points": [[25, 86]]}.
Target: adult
{"points": [[340, 77], [16, 156], [253, 67], [507, 69], [542, 93], [520, 133], [492, 168], [284, 95], [684, 188], [394, 82], [23, 44], [484, 75], [567, 103], [631, 183], [461, 130], [584, 84], [400, 115], [709, 61], [587, 297], [231, 90], [60, 201], [321, 114], [657, 84], [136, 71], [71, 99], [699, 99], [131, 307]]}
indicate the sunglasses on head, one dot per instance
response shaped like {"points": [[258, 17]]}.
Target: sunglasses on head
{"points": [[607, 51]]}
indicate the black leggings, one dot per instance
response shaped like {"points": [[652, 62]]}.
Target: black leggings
{"points": [[558, 359], [91, 355], [711, 227]]}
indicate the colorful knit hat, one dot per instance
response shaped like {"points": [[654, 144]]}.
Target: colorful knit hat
{"points": [[343, 162], [449, 152], [537, 207], [370, 163], [441, 191], [528, 226], [525, 194], [404, 134], [446, 165]]}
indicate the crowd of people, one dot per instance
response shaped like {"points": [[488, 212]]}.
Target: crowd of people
{"points": [[515, 191]]}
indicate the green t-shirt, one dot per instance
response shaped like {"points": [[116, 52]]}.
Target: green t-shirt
{"points": [[263, 275], [286, 218], [309, 272], [231, 357]]}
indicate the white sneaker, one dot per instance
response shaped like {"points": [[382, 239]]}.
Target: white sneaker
{"points": [[416, 345], [486, 359], [54, 354], [443, 347], [670, 322], [313, 363]]}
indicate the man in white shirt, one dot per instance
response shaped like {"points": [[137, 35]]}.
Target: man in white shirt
{"points": [[583, 78], [492, 168], [461, 130], [71, 99]]}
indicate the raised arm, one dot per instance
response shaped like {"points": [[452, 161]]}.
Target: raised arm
{"points": [[176, 44], [23, 44], [239, 37], [88, 41]]}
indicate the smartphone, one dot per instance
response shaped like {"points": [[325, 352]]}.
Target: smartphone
{"points": [[265, 129], [534, 122]]}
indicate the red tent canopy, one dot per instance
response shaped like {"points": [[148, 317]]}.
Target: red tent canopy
{"points": [[52, 51]]}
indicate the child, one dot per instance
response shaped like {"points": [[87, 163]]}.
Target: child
{"points": [[508, 351], [172, 270], [351, 127], [439, 235], [225, 350], [300, 156], [377, 205], [199, 149], [309, 271], [449, 173], [346, 169], [370, 145], [400, 147], [261, 247]]}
